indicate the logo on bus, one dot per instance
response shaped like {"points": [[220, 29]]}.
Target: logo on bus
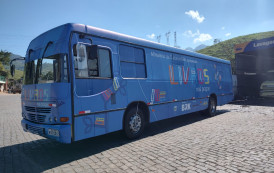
{"points": [[37, 94], [186, 107], [157, 95], [184, 75]]}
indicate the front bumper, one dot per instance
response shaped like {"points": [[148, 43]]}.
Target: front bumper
{"points": [[267, 93], [60, 133]]}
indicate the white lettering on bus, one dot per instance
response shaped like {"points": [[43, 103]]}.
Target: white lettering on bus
{"points": [[186, 107], [266, 43]]}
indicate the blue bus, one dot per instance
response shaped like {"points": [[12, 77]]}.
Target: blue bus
{"points": [[81, 81]]}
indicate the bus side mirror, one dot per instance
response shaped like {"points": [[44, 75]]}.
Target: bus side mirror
{"points": [[12, 69], [93, 53], [12, 66]]}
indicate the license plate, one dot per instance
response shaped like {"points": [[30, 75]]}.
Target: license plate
{"points": [[53, 132]]}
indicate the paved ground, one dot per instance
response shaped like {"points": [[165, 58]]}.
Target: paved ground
{"points": [[239, 139]]}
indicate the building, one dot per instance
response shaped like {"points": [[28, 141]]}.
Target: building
{"points": [[3, 84], [255, 68]]}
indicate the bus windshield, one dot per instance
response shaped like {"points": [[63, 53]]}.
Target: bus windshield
{"points": [[52, 69]]}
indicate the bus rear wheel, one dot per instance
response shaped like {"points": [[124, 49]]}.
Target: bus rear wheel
{"points": [[134, 123], [211, 109], [212, 106]]}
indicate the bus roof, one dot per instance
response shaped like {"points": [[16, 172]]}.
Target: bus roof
{"points": [[62, 32]]}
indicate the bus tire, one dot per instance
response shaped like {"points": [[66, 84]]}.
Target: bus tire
{"points": [[134, 123], [212, 106]]}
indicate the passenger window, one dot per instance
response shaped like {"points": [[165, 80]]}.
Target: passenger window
{"points": [[104, 63], [91, 61], [132, 62]]}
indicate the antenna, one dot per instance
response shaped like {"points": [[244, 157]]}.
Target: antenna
{"points": [[167, 37], [175, 39], [158, 38]]}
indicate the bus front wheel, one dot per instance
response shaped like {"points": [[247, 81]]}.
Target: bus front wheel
{"points": [[134, 123]]}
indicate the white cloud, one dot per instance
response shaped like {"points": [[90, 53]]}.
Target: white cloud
{"points": [[199, 37], [189, 33], [151, 36], [228, 34], [195, 15], [223, 28], [202, 38]]}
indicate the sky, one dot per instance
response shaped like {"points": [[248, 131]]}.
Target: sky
{"points": [[194, 21]]}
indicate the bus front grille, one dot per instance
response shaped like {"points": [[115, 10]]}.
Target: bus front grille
{"points": [[43, 110], [38, 109], [36, 118], [30, 109], [36, 130]]}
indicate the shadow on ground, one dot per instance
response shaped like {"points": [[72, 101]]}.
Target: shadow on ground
{"points": [[45, 154], [255, 102]]}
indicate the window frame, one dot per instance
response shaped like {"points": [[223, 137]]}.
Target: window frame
{"points": [[35, 68], [145, 62], [96, 77]]}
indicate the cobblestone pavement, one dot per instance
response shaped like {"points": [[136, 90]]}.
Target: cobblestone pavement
{"points": [[239, 139]]}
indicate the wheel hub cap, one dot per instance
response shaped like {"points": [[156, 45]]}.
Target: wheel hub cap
{"points": [[135, 123]]}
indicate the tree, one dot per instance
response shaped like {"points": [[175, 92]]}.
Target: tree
{"points": [[48, 76], [2, 70], [226, 51], [5, 57], [216, 41], [2, 67]]}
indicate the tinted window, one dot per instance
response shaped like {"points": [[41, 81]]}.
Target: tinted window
{"points": [[104, 63], [132, 62]]}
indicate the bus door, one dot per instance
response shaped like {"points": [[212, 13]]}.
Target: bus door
{"points": [[92, 84]]}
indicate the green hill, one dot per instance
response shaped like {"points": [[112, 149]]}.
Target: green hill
{"points": [[225, 49]]}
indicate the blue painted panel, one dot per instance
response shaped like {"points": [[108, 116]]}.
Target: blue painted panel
{"points": [[160, 112], [101, 124], [115, 121], [46, 92], [98, 124], [92, 86], [84, 127], [108, 122]]}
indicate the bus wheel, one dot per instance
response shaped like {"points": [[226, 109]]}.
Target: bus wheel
{"points": [[134, 123], [212, 106]]}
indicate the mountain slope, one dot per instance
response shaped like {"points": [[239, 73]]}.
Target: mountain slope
{"points": [[201, 46]]}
